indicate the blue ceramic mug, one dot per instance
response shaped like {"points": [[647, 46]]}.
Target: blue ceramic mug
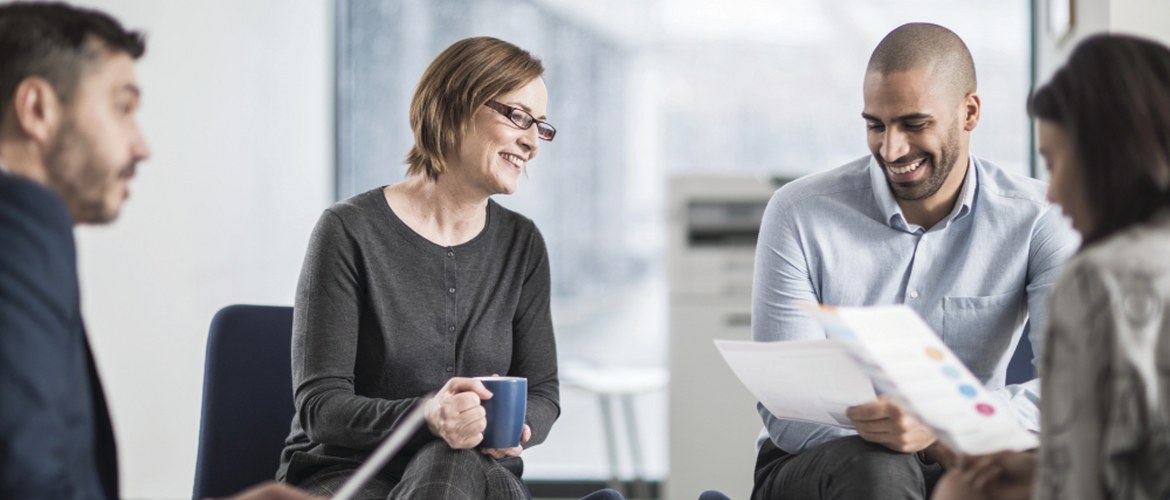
{"points": [[505, 411]]}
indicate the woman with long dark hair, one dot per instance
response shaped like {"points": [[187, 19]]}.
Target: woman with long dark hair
{"points": [[1104, 133]]}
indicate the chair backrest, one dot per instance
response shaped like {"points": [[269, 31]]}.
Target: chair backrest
{"points": [[247, 399], [1020, 367]]}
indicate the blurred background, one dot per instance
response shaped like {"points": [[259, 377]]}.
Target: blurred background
{"points": [[262, 113]]}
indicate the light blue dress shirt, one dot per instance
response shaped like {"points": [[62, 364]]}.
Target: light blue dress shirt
{"points": [[977, 277]]}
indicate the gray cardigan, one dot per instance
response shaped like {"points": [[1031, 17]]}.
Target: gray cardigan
{"points": [[385, 316]]}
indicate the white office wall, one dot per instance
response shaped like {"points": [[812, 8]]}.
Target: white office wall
{"points": [[1149, 18], [238, 111]]}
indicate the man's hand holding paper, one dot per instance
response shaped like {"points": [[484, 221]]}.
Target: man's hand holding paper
{"points": [[885, 423], [929, 394]]}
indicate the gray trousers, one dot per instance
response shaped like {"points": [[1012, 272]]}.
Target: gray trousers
{"points": [[437, 472], [845, 468]]}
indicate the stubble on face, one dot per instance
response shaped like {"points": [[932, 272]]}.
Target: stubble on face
{"points": [[94, 152], [90, 187], [940, 167]]}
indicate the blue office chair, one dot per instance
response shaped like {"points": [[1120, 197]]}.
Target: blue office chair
{"points": [[247, 399], [1020, 368]]}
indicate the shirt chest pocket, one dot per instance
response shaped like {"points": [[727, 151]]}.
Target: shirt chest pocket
{"points": [[980, 329]]}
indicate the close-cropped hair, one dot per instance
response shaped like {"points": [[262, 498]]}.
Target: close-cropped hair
{"points": [[1113, 99], [458, 82], [930, 46], [57, 42]]}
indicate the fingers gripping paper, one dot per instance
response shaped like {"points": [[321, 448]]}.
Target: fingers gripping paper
{"points": [[893, 349]]}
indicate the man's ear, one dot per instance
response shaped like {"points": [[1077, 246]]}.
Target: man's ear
{"points": [[971, 109], [38, 109]]}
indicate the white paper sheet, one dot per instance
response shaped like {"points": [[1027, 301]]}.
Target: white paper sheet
{"points": [[808, 380], [913, 366], [887, 347]]}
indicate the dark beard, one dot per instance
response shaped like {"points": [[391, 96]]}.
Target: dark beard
{"points": [[73, 174], [940, 166]]}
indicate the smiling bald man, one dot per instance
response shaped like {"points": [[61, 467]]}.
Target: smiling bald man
{"points": [[922, 222]]}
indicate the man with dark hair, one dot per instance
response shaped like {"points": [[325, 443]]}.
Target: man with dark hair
{"points": [[69, 144], [922, 222]]}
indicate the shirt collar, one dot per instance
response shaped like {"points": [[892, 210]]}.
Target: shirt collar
{"points": [[893, 213]]}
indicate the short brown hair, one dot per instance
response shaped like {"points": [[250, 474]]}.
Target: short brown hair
{"points": [[468, 74], [57, 42]]}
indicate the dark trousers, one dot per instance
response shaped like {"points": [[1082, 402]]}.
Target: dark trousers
{"points": [[436, 471], [845, 468]]}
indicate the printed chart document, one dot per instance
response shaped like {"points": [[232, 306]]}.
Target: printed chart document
{"points": [[895, 350]]}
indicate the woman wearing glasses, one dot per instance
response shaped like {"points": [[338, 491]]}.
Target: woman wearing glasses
{"points": [[410, 289], [1104, 132]]}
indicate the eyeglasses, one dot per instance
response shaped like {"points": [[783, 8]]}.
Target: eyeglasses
{"points": [[524, 119]]}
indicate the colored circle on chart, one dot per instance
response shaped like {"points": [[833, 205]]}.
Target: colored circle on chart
{"points": [[951, 372], [934, 353], [967, 390], [985, 409]]}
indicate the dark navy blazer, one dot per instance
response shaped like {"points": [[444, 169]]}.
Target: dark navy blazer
{"points": [[55, 434]]}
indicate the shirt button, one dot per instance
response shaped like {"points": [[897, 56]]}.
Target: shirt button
{"points": [[450, 254], [450, 368], [450, 290], [451, 328], [914, 294]]}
